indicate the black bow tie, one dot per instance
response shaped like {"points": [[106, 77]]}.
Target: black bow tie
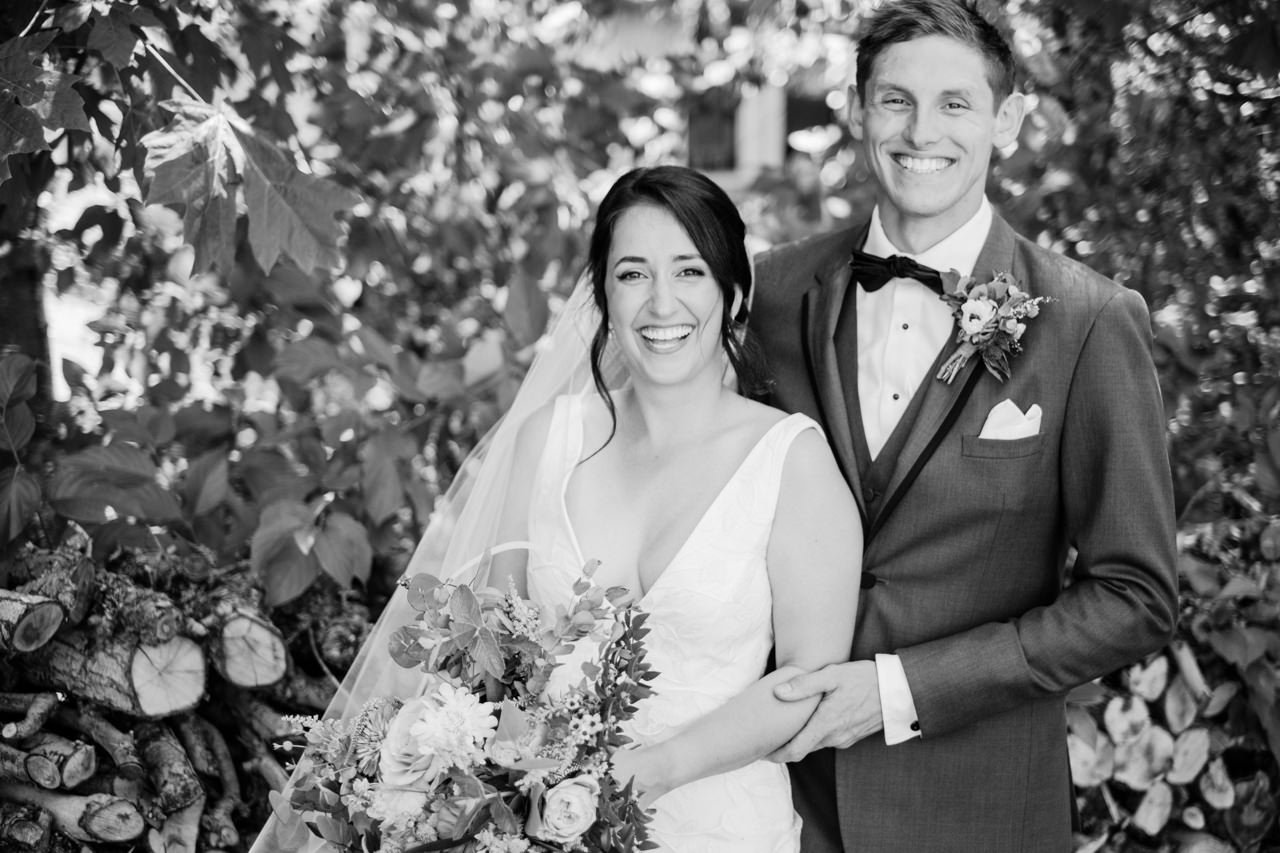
{"points": [[872, 272]]}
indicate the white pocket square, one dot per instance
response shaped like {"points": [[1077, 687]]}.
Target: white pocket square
{"points": [[1006, 422]]}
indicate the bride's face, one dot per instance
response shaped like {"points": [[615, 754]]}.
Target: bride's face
{"points": [[665, 308]]}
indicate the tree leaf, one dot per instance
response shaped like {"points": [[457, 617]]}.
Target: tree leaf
{"points": [[72, 15], [19, 498], [17, 427], [112, 37], [192, 162], [20, 133], [1239, 645], [21, 76], [284, 571], [380, 478], [207, 485], [304, 360], [17, 379], [342, 547], [62, 108], [290, 213], [125, 466]]}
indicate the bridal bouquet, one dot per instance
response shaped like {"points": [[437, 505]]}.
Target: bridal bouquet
{"points": [[506, 749]]}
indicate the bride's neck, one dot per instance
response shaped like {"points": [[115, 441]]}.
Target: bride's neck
{"points": [[665, 415]]}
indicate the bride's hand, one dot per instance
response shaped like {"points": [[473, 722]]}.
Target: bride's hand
{"points": [[639, 764]]}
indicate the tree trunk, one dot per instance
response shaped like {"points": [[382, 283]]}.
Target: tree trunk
{"points": [[92, 819], [24, 828], [181, 830], [22, 307], [125, 609], [36, 709], [19, 766], [172, 776], [117, 744], [27, 622], [68, 580], [76, 760], [140, 680], [210, 756]]}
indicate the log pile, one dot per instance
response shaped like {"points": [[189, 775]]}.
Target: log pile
{"points": [[141, 701]]}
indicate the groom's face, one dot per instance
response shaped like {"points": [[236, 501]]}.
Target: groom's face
{"points": [[928, 120]]}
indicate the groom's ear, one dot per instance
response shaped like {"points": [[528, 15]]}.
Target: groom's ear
{"points": [[1009, 116], [854, 112]]}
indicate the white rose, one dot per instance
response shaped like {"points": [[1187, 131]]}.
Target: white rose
{"points": [[404, 763], [975, 314], [564, 813]]}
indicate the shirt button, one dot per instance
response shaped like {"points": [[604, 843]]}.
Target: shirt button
{"points": [[905, 327], [915, 726], [896, 396]]}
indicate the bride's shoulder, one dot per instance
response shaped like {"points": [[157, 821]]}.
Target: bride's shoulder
{"points": [[756, 416]]}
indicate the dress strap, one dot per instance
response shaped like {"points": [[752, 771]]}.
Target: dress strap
{"points": [[775, 445]]}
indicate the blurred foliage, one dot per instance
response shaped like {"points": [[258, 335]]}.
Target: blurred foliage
{"points": [[320, 240]]}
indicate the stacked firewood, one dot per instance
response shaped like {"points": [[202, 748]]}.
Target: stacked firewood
{"points": [[136, 692]]}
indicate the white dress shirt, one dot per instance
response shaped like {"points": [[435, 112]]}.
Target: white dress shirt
{"points": [[901, 329]]}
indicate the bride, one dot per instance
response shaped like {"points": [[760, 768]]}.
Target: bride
{"points": [[726, 519]]}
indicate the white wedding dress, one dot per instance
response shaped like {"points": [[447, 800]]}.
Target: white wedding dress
{"points": [[711, 631]]}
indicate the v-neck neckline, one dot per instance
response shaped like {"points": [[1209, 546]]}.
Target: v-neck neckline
{"points": [[575, 415]]}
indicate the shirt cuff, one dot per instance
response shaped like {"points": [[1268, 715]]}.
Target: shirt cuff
{"points": [[897, 708]]}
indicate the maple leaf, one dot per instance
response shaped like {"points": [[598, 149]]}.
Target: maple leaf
{"points": [[192, 163], [290, 212], [32, 99], [112, 37], [198, 160]]}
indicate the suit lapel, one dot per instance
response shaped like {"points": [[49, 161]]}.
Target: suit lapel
{"points": [[822, 310], [944, 401]]}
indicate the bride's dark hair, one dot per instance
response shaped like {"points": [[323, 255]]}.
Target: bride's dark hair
{"points": [[713, 223]]}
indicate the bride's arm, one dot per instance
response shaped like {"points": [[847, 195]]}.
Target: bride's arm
{"points": [[815, 563]]}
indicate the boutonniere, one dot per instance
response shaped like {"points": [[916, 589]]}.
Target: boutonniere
{"points": [[990, 320]]}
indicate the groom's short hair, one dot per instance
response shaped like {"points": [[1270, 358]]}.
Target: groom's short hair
{"points": [[905, 20]]}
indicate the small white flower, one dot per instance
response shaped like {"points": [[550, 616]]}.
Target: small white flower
{"points": [[975, 314]]}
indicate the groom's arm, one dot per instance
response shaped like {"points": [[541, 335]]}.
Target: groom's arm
{"points": [[1117, 501]]}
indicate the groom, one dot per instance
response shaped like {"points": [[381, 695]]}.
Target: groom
{"points": [[945, 731]]}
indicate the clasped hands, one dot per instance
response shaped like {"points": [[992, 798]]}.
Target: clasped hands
{"points": [[848, 711]]}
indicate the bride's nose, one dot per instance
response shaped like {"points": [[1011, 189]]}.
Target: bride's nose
{"points": [[662, 296]]}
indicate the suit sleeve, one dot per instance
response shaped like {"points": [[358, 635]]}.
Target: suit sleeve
{"points": [[1117, 509]]}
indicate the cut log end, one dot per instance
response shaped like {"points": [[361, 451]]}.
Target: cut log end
{"points": [[250, 652], [168, 678], [27, 622]]}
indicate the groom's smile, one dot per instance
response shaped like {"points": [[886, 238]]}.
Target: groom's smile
{"points": [[922, 165]]}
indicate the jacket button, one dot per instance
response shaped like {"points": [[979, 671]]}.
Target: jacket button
{"points": [[868, 580]]}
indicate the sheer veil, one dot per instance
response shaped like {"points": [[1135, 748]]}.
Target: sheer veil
{"points": [[461, 531]]}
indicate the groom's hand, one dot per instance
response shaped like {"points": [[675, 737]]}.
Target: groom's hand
{"points": [[848, 712]]}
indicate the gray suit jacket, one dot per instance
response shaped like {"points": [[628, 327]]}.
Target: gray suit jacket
{"points": [[969, 547]]}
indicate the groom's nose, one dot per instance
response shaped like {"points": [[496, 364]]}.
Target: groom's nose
{"points": [[922, 128]]}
